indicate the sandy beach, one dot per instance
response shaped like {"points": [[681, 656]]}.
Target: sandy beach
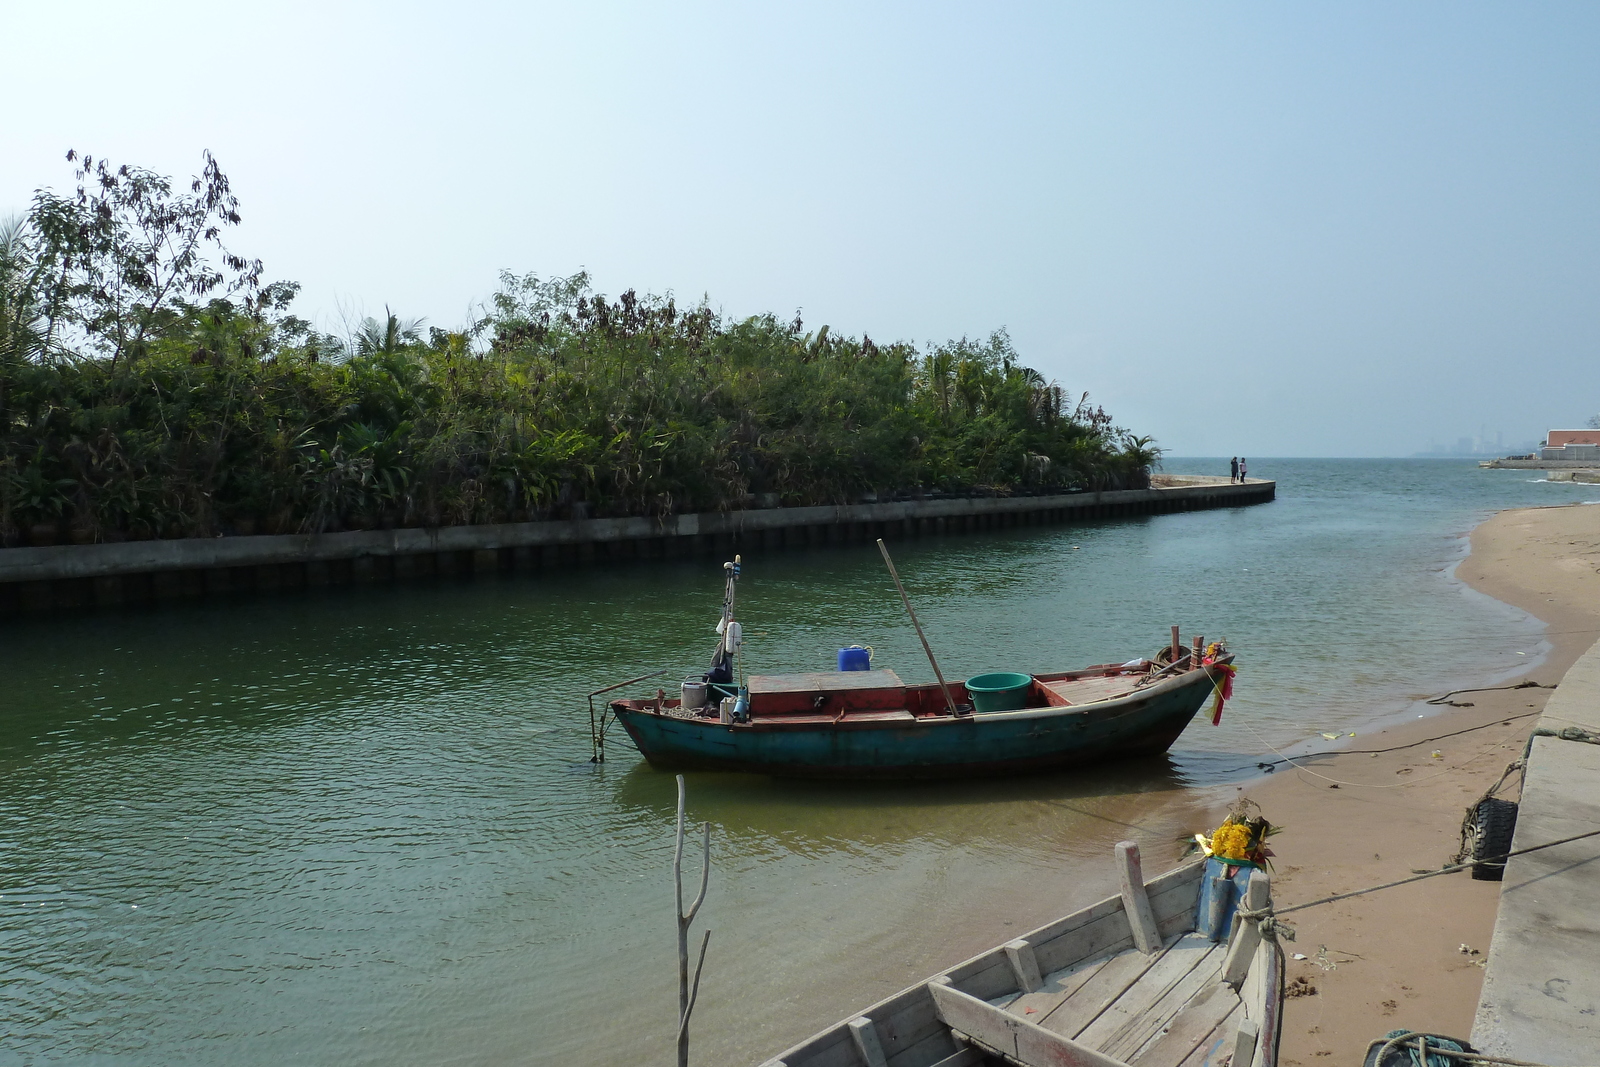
{"points": [[1360, 817]]}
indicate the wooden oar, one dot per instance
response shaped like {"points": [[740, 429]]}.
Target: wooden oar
{"points": [[945, 689]]}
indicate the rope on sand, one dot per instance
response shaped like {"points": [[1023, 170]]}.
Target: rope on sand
{"points": [[1369, 785], [1498, 720], [1485, 689], [1452, 869]]}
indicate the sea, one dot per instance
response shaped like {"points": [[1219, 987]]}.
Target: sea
{"points": [[362, 825]]}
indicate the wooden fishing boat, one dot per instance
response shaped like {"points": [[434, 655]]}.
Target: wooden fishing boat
{"points": [[870, 724], [1149, 978], [867, 724]]}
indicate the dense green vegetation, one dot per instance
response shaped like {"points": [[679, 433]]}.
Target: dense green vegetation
{"points": [[152, 385]]}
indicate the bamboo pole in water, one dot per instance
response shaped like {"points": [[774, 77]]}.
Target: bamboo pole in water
{"points": [[945, 689], [686, 994]]}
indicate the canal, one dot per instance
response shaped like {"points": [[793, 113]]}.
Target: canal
{"points": [[361, 826]]}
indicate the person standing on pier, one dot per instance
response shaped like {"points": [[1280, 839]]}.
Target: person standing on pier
{"points": [[1233, 469], [1244, 472]]}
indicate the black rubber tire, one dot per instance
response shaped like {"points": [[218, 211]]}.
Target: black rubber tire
{"points": [[1493, 822]]}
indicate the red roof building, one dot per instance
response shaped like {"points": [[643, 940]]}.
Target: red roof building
{"points": [[1562, 438]]}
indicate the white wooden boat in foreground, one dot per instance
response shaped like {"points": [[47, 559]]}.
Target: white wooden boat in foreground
{"points": [[1133, 981]]}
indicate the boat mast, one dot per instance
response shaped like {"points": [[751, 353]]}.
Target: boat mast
{"points": [[725, 654]]}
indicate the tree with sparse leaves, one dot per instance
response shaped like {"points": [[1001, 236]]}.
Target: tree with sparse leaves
{"points": [[124, 250]]}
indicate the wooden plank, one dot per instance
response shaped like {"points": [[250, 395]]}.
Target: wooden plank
{"points": [[1068, 923], [1057, 987], [1017, 1038], [1267, 1010], [1135, 901], [1244, 1043], [967, 1057], [831, 1049], [1247, 934], [1174, 910], [892, 715], [1102, 990], [1184, 1033], [1024, 964], [1147, 1026], [935, 1046], [1103, 930], [905, 1021], [1076, 691], [823, 681], [985, 977], [1140, 1030], [1216, 1049], [1172, 896], [1181, 875], [1166, 971], [865, 1038]]}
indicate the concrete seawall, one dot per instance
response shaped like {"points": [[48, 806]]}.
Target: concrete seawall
{"points": [[72, 576], [1538, 464], [1541, 982]]}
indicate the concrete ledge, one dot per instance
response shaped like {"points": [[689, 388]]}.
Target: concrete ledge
{"points": [[77, 575], [1541, 984]]}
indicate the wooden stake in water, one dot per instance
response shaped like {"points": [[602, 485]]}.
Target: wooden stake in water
{"points": [[686, 995], [945, 689]]}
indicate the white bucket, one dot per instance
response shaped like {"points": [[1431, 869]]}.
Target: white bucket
{"points": [[693, 694]]}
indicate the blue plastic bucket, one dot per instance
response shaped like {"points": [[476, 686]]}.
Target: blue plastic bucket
{"points": [[1001, 691], [855, 658]]}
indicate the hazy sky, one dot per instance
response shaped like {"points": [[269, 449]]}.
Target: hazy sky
{"points": [[1277, 229]]}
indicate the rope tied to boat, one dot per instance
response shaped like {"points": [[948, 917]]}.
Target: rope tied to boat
{"points": [[1271, 927]]}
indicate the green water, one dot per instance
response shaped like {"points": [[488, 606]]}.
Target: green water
{"points": [[361, 826]]}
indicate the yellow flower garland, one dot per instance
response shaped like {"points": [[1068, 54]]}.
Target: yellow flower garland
{"points": [[1234, 841]]}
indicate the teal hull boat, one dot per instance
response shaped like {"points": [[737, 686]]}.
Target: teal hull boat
{"points": [[855, 723], [834, 726]]}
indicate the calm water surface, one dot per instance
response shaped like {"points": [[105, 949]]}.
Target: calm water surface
{"points": [[361, 827]]}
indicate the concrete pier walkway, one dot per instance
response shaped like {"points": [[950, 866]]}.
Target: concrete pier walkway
{"points": [[1541, 985]]}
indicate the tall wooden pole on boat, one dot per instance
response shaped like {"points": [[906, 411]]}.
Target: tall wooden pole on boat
{"points": [[945, 689]]}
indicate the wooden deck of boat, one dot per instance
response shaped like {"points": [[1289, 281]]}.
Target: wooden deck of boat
{"points": [[1091, 690], [1169, 1009]]}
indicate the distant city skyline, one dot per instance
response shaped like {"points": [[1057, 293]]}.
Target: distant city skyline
{"points": [[1329, 230], [1482, 443]]}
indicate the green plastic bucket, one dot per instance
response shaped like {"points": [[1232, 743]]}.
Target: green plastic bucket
{"points": [[1001, 691]]}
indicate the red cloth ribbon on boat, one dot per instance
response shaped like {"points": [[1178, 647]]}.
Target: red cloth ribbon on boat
{"points": [[1224, 690]]}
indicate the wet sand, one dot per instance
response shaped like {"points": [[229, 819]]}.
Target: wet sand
{"points": [[1356, 819]]}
